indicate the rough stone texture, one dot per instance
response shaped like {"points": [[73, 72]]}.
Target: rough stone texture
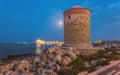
{"points": [[77, 30], [83, 73], [55, 58], [66, 60], [23, 64], [52, 49], [63, 57], [72, 54], [58, 67], [58, 58]]}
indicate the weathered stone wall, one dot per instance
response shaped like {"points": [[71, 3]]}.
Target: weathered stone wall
{"points": [[77, 29], [87, 52]]}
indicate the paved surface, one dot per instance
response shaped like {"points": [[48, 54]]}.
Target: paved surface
{"points": [[114, 70]]}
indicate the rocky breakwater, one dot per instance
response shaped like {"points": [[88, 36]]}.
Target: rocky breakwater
{"points": [[50, 62], [16, 68], [55, 59]]}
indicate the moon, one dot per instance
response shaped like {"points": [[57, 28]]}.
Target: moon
{"points": [[60, 23]]}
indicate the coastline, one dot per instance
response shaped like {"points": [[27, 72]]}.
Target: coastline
{"points": [[12, 58]]}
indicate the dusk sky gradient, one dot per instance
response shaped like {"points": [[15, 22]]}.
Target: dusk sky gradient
{"points": [[27, 20]]}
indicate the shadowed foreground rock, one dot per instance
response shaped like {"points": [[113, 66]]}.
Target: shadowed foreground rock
{"points": [[56, 58], [51, 61]]}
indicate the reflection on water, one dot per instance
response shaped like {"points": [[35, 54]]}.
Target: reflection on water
{"points": [[15, 48], [18, 49]]}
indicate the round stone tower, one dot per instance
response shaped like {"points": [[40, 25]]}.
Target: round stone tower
{"points": [[77, 27]]}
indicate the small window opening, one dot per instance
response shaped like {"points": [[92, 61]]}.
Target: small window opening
{"points": [[69, 17]]}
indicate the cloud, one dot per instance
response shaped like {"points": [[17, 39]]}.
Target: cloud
{"points": [[114, 5], [113, 24]]}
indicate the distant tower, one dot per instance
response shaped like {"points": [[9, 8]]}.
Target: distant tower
{"points": [[77, 27]]}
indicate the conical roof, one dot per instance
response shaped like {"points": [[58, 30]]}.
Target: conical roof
{"points": [[77, 10]]}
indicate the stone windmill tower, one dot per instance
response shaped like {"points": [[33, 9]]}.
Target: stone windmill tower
{"points": [[77, 27]]}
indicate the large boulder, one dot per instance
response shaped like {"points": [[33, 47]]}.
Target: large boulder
{"points": [[58, 67], [51, 56], [47, 72], [60, 51], [66, 60], [83, 73], [71, 54], [24, 64], [36, 59], [52, 72], [42, 63], [77, 52], [52, 49], [44, 58], [58, 58]]}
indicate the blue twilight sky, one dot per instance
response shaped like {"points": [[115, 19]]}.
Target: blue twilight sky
{"points": [[27, 20]]}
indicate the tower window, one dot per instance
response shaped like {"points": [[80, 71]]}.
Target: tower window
{"points": [[69, 17]]}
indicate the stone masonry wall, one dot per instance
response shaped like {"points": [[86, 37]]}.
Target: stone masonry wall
{"points": [[77, 29]]}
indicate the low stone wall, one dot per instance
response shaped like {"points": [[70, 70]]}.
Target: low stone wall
{"points": [[89, 51], [79, 46], [85, 51]]}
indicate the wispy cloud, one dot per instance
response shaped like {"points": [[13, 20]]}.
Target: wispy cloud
{"points": [[113, 24], [114, 5]]}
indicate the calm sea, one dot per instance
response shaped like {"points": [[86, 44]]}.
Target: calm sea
{"points": [[16, 49]]}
